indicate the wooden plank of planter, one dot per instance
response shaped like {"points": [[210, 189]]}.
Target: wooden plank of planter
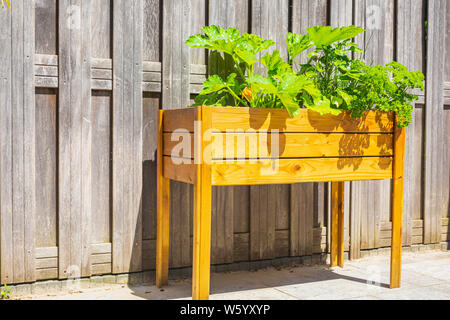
{"points": [[177, 119], [244, 172], [397, 207], [230, 118], [201, 258], [290, 145], [182, 172]]}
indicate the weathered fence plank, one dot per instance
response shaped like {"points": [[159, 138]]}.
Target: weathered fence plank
{"points": [[341, 14], [175, 94], [307, 203], [409, 50], [127, 140], [74, 139], [227, 13], [446, 173], [17, 134], [434, 124], [377, 18], [270, 20]]}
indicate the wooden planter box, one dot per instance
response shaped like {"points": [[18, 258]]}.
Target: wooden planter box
{"points": [[242, 146]]}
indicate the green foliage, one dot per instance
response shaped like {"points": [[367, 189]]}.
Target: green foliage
{"points": [[329, 82], [5, 293], [7, 3]]}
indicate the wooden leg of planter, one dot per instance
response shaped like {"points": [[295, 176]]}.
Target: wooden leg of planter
{"points": [[162, 217], [337, 224], [202, 234], [397, 207]]}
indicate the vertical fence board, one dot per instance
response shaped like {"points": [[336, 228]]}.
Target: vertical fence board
{"points": [[127, 136], [341, 14], [307, 199], [46, 168], [101, 166], [175, 94], [410, 53], [101, 137], [46, 26], [377, 18], [6, 261], [17, 148], [446, 174], [226, 13], [152, 28], [74, 139], [270, 21], [46, 110], [434, 126]]}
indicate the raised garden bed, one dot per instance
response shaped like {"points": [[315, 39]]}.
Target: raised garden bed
{"points": [[277, 149]]}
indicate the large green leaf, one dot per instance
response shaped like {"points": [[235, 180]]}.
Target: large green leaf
{"points": [[297, 43], [290, 104], [242, 47], [249, 45], [323, 36], [216, 38], [215, 83], [266, 85], [322, 106], [275, 64]]}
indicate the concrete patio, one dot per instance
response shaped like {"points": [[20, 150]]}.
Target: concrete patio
{"points": [[426, 275]]}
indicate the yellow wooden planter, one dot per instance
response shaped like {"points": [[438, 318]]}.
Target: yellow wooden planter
{"points": [[242, 146]]}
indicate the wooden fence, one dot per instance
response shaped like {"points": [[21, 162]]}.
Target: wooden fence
{"points": [[80, 85]]}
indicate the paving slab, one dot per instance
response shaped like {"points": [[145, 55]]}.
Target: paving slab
{"points": [[425, 275]]}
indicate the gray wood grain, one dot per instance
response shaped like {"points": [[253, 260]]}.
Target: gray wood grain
{"points": [[410, 52], [46, 168], [175, 94], [17, 163], [127, 140], [101, 166], [151, 104], [74, 139], [46, 27], [434, 122]]}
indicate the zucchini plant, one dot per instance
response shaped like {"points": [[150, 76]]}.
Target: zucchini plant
{"points": [[332, 80]]}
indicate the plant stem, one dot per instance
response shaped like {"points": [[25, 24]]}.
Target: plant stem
{"points": [[235, 96]]}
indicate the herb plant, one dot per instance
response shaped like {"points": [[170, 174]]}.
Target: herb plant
{"points": [[5, 293], [329, 82]]}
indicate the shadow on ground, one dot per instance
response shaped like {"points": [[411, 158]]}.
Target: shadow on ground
{"points": [[257, 284]]}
